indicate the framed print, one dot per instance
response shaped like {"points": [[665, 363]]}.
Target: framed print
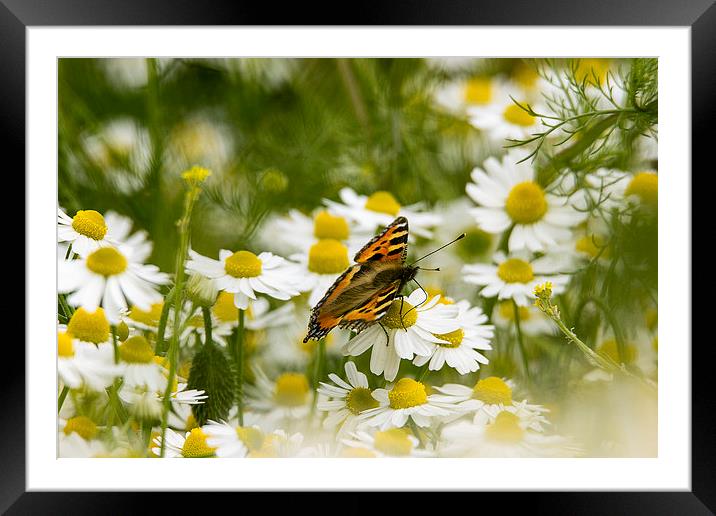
{"points": [[313, 257]]}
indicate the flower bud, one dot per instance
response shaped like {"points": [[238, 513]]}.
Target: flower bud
{"points": [[201, 291]]}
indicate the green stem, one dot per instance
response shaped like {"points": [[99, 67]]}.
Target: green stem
{"points": [[207, 326], [520, 341], [239, 358], [163, 318], [61, 399]]}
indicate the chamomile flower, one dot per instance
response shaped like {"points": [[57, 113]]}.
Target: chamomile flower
{"points": [[515, 277], [345, 400], [87, 231], [245, 274], [77, 438], [407, 329], [111, 277], [394, 442], [190, 445], [233, 441], [320, 267], [458, 348], [461, 95], [286, 398], [502, 119], [506, 436], [487, 398], [147, 320], [84, 363], [378, 210], [508, 195], [141, 370], [279, 443], [406, 399]]}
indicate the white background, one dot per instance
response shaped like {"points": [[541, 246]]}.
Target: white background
{"points": [[671, 470]]}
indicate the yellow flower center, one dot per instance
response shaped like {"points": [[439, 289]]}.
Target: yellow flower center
{"points": [[394, 442], [492, 391], [326, 225], [586, 69], [515, 270], [514, 114], [507, 311], [190, 422], [357, 453], [645, 185], [592, 245], [106, 261], [195, 445], [360, 399], [90, 223], [136, 350], [407, 393], [84, 427], [328, 256], [454, 338], [150, 317], [251, 437], [224, 309], [478, 90], [506, 428], [395, 319], [383, 202], [609, 348], [526, 203], [65, 348], [291, 389], [89, 327], [243, 264]]}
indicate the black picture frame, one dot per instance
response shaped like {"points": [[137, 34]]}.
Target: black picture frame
{"points": [[699, 15]]}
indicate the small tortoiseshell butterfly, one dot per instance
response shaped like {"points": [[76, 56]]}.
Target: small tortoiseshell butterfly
{"points": [[364, 292]]}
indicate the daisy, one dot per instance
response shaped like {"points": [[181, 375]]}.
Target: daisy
{"points": [[502, 119], [87, 231], [532, 320], [233, 441], [378, 210], [111, 276], [280, 444], [489, 397], [192, 444], [509, 197], [78, 438], [320, 267], [147, 320], [345, 400], [515, 277], [406, 400], [407, 329], [477, 91], [287, 398], [504, 437], [83, 363], [459, 347], [244, 274], [299, 232], [395, 442]]}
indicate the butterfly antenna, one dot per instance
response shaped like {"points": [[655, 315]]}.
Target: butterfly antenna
{"points": [[387, 337], [439, 249], [401, 312]]}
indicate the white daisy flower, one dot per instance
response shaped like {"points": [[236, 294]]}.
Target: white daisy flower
{"points": [[406, 399], [83, 363], [515, 277], [461, 95], [141, 370], [244, 274], [299, 232], [370, 213], [407, 329], [287, 398], [232, 441], [280, 444], [345, 400], [394, 442], [501, 119], [110, 276], [192, 444], [459, 348], [503, 437], [532, 320], [509, 196], [88, 230], [487, 398], [78, 438]]}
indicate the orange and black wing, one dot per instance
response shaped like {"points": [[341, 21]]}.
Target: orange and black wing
{"points": [[372, 310], [391, 244], [323, 316]]}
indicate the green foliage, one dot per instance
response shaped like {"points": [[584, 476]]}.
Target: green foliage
{"points": [[212, 372]]}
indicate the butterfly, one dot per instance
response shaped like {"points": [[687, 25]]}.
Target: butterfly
{"points": [[362, 295], [364, 292]]}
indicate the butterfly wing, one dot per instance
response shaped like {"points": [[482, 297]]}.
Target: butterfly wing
{"points": [[391, 244], [375, 307]]}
